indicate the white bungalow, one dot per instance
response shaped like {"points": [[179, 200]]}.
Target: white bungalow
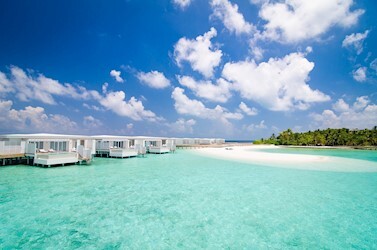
{"points": [[219, 141], [184, 141], [115, 146], [197, 141], [48, 149], [154, 145], [158, 145]]}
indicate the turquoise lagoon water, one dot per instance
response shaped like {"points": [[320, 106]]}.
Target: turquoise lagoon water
{"points": [[185, 201], [370, 155]]}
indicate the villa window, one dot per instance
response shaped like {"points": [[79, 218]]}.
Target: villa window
{"points": [[58, 146], [118, 144], [63, 146], [13, 142], [54, 145], [38, 144]]}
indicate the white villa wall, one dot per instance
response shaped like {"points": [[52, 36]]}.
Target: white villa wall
{"points": [[12, 146]]}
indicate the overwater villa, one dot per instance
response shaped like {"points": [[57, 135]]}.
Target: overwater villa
{"points": [[115, 146], [198, 141], [159, 145], [129, 146], [47, 149], [57, 149]]}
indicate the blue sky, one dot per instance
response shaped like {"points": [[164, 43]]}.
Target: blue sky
{"points": [[217, 68]]}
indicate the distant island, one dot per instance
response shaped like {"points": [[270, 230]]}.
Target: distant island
{"points": [[329, 137]]}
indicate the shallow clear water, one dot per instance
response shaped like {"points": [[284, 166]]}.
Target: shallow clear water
{"points": [[370, 155], [185, 201]]}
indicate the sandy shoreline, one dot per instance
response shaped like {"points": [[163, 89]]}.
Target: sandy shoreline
{"points": [[251, 154]]}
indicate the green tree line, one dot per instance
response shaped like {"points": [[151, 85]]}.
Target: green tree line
{"points": [[327, 137]]}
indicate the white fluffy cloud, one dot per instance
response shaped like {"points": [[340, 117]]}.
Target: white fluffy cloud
{"points": [[183, 126], [355, 41], [360, 103], [29, 87], [279, 84], [256, 51], [91, 122], [254, 127], [361, 114], [133, 108], [233, 20], [341, 106], [5, 84], [183, 4], [33, 119], [154, 79], [116, 74], [360, 74], [200, 53], [186, 106], [219, 92], [92, 107], [248, 111], [293, 21]]}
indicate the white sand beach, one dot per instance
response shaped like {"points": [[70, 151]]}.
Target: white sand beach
{"points": [[252, 154]]}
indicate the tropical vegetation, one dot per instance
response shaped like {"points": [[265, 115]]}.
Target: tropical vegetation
{"points": [[327, 137]]}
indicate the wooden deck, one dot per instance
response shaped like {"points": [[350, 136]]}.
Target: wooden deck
{"points": [[11, 156]]}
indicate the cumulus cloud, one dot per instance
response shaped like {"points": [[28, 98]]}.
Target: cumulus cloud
{"points": [[233, 20], [253, 127], [361, 114], [360, 74], [91, 122], [133, 108], [183, 126], [186, 106], [116, 74], [200, 53], [279, 84], [219, 92], [293, 21], [256, 51], [248, 111], [28, 86], [360, 103], [154, 79], [33, 119], [92, 107], [341, 106], [355, 41], [104, 87], [6, 85], [183, 4]]}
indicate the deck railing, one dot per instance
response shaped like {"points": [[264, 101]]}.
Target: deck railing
{"points": [[84, 153]]}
